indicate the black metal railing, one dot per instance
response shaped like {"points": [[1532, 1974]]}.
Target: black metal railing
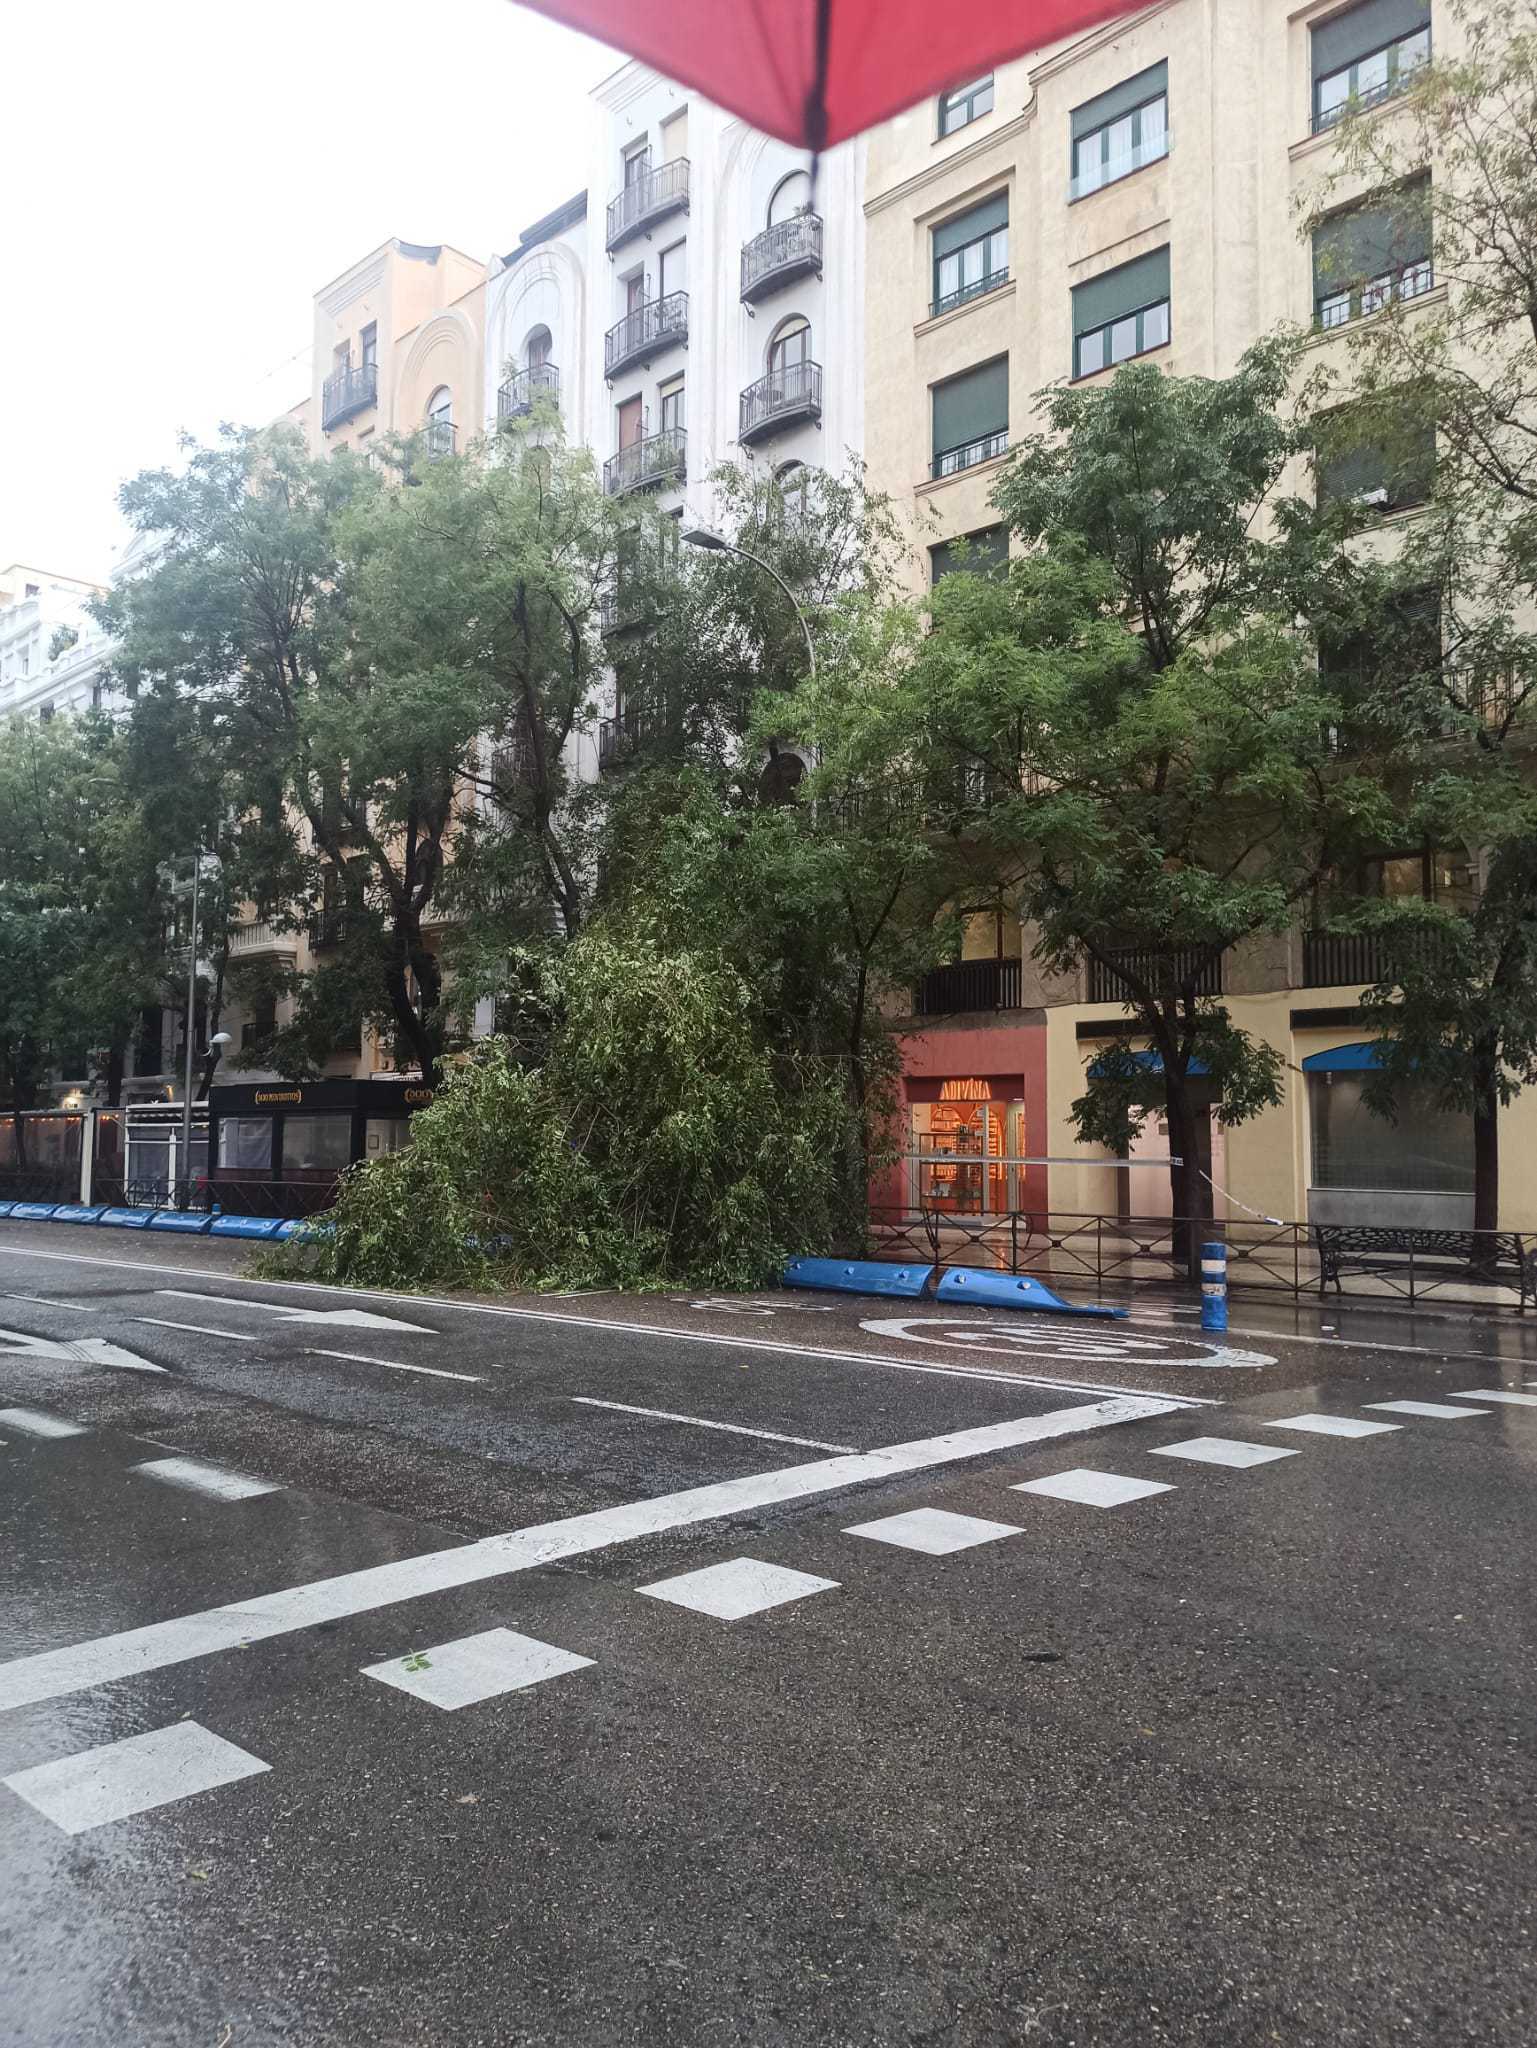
{"points": [[949, 461], [619, 610], [657, 324], [438, 439], [515, 398], [968, 985], [1158, 966], [977, 289], [784, 398], [789, 249], [1342, 959], [348, 391], [1363, 102], [659, 458], [646, 199]]}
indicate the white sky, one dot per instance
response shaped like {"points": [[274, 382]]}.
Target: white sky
{"points": [[181, 176]]}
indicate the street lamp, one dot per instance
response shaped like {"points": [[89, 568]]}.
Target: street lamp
{"points": [[713, 543]]}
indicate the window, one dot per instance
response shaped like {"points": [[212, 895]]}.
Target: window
{"points": [[1122, 314], [672, 269], [1367, 256], [31, 590], [670, 401], [1427, 1150], [370, 346], [794, 488], [1367, 54], [966, 104], [629, 422], [790, 347], [341, 358], [245, 1143], [971, 418], [440, 422], [675, 136], [637, 164], [536, 350], [317, 1142], [1120, 131], [1349, 466], [792, 195], [977, 554], [971, 254]]}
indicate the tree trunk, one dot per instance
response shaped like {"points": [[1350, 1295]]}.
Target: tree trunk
{"points": [[1486, 1141]]}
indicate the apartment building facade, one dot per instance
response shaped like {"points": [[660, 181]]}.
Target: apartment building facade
{"points": [[1135, 193], [52, 652]]}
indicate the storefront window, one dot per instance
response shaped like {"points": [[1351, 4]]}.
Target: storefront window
{"points": [[1427, 1151], [245, 1143], [322, 1142], [963, 1149], [387, 1134]]}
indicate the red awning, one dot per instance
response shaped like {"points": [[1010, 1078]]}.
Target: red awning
{"points": [[816, 71]]}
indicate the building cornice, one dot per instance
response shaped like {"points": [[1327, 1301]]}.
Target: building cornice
{"points": [[361, 278], [1097, 39], [957, 159]]}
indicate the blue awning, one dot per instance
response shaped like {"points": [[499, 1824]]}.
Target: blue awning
{"points": [[1344, 1059], [1150, 1062]]}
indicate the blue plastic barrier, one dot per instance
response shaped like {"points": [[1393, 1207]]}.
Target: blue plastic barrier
{"points": [[126, 1219], [33, 1212], [79, 1212], [859, 1276], [302, 1226], [1008, 1290], [187, 1221], [6, 1208], [245, 1226]]}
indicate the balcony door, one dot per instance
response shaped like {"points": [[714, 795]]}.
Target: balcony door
{"points": [[637, 166], [630, 422]]}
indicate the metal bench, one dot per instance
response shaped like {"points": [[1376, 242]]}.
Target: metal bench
{"points": [[1426, 1258]]}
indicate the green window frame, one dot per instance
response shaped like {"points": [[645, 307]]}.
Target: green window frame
{"points": [[982, 553], [1367, 256], [1122, 314], [1366, 55], [970, 418], [965, 104], [971, 254], [1119, 132]]}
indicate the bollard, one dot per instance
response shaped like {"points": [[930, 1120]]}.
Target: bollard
{"points": [[1214, 1286]]}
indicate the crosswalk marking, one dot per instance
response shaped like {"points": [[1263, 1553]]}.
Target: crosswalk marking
{"points": [[1094, 1489], [121, 1778], [1223, 1450], [1437, 1411], [934, 1531], [49, 1674], [738, 1587], [1504, 1394], [197, 1477], [33, 1422], [475, 1668], [1334, 1425]]}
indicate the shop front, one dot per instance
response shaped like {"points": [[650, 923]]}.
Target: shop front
{"points": [[279, 1148], [972, 1101]]}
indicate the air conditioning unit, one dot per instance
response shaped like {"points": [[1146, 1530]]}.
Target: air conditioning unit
{"points": [[1378, 497]]}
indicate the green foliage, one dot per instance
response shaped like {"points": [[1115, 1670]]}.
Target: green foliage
{"points": [[659, 1140]]}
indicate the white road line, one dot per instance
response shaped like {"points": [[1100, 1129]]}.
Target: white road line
{"points": [[42, 1301], [133, 1776], [50, 1674], [433, 1372], [475, 1668], [1498, 1394], [196, 1477], [202, 1329], [33, 1422], [731, 1342], [773, 1436]]}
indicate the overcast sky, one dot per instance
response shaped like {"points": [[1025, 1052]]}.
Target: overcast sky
{"points": [[180, 177]]}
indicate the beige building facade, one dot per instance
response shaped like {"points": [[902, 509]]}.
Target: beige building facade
{"points": [[1138, 193]]}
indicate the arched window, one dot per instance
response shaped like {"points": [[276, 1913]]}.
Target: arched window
{"points": [[536, 350], [793, 480], [791, 345], [791, 195], [440, 422]]}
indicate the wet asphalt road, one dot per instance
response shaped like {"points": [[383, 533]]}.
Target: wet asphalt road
{"points": [[1249, 1759]]}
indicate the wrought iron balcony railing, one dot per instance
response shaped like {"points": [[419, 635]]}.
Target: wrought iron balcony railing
{"points": [[650, 197], [950, 461], [659, 458], [658, 324], [350, 390], [789, 249], [784, 398], [439, 438], [515, 398], [968, 985], [1154, 965]]}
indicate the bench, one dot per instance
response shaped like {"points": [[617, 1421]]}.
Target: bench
{"points": [[1427, 1257]]}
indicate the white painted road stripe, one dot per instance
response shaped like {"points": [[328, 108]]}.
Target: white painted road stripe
{"points": [[738, 1587], [1440, 1411], [197, 1477], [198, 1329], [33, 1422], [120, 1778], [433, 1372], [1498, 1394], [773, 1436], [43, 1301], [49, 1674], [664, 1331], [475, 1668]]}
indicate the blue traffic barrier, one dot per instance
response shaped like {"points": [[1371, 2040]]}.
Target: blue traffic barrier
{"points": [[190, 1222], [1214, 1285], [1011, 1290], [6, 1208], [859, 1276], [126, 1219], [78, 1212], [33, 1212], [302, 1227], [245, 1226]]}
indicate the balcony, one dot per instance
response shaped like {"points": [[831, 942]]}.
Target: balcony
{"points": [[788, 397], [658, 459], [619, 611], [1342, 959], [992, 281], [348, 392], [789, 249], [515, 399], [968, 985], [986, 447], [651, 197], [438, 439], [658, 324], [1154, 965], [251, 941]]}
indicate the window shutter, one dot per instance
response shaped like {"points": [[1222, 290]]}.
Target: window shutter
{"points": [[1142, 282], [1346, 37], [985, 551], [1120, 99], [967, 227], [1368, 241], [971, 406]]}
